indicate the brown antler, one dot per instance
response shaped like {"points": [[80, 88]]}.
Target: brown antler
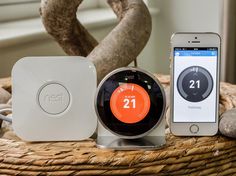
{"points": [[59, 19], [119, 48]]}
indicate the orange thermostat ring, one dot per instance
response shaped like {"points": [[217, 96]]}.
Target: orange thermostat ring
{"points": [[130, 103], [99, 105]]}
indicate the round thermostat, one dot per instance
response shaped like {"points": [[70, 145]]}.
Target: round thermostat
{"points": [[195, 84], [130, 102]]}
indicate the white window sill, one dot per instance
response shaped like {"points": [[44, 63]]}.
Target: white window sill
{"points": [[21, 31]]}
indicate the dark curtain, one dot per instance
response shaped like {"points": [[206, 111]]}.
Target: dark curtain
{"points": [[229, 41]]}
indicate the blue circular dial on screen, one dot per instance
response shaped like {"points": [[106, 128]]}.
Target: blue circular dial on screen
{"points": [[195, 84]]}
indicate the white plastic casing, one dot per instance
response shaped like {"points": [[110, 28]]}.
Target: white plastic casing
{"points": [[53, 98]]}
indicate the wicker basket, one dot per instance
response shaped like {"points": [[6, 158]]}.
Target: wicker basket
{"points": [[181, 156]]}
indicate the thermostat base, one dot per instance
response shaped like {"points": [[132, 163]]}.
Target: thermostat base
{"points": [[154, 140], [147, 142]]}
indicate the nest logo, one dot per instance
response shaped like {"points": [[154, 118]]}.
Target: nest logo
{"points": [[53, 98]]}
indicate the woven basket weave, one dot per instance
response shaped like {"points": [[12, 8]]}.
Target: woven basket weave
{"points": [[181, 156]]}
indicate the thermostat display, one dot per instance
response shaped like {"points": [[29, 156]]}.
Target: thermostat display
{"points": [[194, 87], [130, 103], [195, 84]]}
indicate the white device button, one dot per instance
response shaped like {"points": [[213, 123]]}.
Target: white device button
{"points": [[194, 129], [53, 98]]}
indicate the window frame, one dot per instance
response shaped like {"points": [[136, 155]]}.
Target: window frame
{"points": [[10, 2], [25, 9]]}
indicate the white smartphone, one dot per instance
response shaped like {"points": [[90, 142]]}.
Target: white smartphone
{"points": [[195, 70]]}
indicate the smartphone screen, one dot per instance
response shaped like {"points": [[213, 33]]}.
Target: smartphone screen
{"points": [[195, 86]]}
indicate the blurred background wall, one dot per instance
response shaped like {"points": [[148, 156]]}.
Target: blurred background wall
{"points": [[24, 35], [182, 16]]}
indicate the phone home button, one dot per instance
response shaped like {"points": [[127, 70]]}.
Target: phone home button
{"points": [[194, 129]]}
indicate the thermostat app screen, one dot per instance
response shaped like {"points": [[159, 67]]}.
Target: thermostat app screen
{"points": [[195, 72], [130, 103]]}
